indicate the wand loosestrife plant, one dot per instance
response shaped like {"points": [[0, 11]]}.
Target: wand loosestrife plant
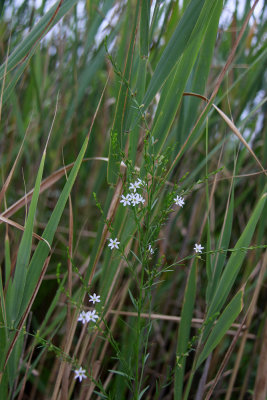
{"points": [[146, 279]]}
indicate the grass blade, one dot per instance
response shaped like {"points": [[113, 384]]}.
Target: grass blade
{"points": [[184, 330], [23, 50], [222, 325], [15, 292], [175, 48], [235, 262]]}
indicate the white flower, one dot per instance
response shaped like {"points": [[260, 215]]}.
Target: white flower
{"points": [[133, 187], [91, 316], [136, 184], [80, 374], [139, 183], [198, 248], [113, 243], [126, 200], [94, 298], [82, 317], [150, 249], [139, 198], [134, 199], [179, 201]]}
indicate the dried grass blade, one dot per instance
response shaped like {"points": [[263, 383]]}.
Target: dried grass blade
{"points": [[217, 85], [22, 228], [260, 388], [46, 184], [239, 136]]}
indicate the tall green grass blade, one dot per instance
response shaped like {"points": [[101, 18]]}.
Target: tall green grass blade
{"points": [[97, 16], [144, 29], [1, 7], [184, 331], [13, 81], [3, 322], [185, 34], [45, 326], [176, 83], [7, 259], [19, 120], [23, 50], [16, 286], [154, 21], [208, 258], [141, 75], [234, 264], [16, 289], [13, 362], [223, 243], [224, 322], [121, 107], [255, 69], [198, 79], [42, 250], [84, 81]]}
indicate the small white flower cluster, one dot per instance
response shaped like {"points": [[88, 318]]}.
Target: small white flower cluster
{"points": [[133, 198], [88, 316]]}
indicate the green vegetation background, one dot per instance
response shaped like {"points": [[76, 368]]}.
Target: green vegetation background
{"points": [[173, 92]]}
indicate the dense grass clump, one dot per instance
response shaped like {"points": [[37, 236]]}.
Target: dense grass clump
{"points": [[133, 200]]}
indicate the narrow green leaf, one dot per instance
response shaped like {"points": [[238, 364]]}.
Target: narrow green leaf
{"points": [[35, 35], [173, 90], [235, 262], [3, 323], [42, 250], [15, 293], [198, 79], [223, 243], [7, 259], [13, 81], [175, 48], [21, 55], [144, 28], [143, 392], [222, 325], [141, 76], [121, 106], [13, 362]]}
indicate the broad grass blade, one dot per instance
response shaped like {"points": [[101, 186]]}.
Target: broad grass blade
{"points": [[234, 264], [198, 79], [176, 83], [181, 39], [224, 322], [15, 291], [42, 250], [23, 50]]}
